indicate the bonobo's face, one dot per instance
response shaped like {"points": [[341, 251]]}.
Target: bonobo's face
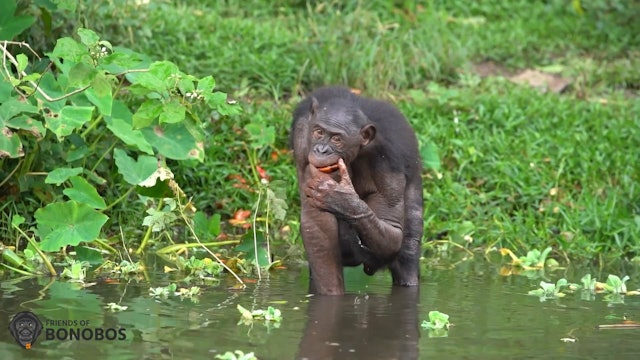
{"points": [[25, 328], [337, 132]]}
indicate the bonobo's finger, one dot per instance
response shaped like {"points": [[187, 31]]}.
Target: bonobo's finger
{"points": [[344, 173]]}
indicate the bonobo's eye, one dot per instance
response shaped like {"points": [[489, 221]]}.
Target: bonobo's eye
{"points": [[336, 139], [318, 133]]}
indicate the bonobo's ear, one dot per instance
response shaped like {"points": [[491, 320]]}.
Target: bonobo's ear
{"points": [[368, 132], [314, 106]]}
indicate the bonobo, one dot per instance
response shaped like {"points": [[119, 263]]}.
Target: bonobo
{"points": [[359, 176]]}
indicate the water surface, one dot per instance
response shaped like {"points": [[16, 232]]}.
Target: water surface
{"points": [[492, 315]]}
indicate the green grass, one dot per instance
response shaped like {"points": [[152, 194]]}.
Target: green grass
{"points": [[531, 170], [520, 169]]}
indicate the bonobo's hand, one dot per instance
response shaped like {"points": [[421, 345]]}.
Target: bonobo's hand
{"points": [[339, 198]]}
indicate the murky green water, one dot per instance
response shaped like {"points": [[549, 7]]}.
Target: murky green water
{"points": [[492, 315]]}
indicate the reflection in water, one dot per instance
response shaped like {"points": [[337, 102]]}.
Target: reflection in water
{"points": [[362, 327]]}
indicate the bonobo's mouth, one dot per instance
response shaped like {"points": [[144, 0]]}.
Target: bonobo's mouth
{"points": [[328, 169]]}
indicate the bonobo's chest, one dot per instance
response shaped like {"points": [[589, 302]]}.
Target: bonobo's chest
{"points": [[370, 178]]}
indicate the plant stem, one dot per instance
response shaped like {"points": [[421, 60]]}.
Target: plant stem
{"points": [[148, 233]]}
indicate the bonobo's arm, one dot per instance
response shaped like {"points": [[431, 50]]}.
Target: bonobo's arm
{"points": [[378, 221]]}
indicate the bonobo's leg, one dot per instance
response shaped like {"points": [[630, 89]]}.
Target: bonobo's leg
{"points": [[405, 269], [320, 237]]}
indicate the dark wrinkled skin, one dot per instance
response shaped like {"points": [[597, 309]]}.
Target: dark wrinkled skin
{"points": [[369, 210]]}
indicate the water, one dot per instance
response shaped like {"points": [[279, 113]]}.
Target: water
{"points": [[492, 318]]}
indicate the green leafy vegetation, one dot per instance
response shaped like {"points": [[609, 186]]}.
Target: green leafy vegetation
{"points": [[438, 324], [549, 290]]}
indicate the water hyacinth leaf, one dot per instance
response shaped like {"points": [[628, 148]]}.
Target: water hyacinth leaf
{"points": [[174, 141], [69, 119], [60, 175], [84, 193], [68, 223], [134, 171], [121, 125]]}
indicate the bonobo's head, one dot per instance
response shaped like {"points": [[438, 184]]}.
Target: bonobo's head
{"points": [[338, 129]]}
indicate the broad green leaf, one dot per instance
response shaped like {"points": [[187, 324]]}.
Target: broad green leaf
{"points": [[172, 112], [214, 225], [67, 5], [68, 49], [206, 84], [23, 61], [17, 220], [121, 60], [88, 37], [206, 228], [261, 135], [150, 81], [215, 99], [100, 94], [12, 107], [430, 157], [247, 246], [69, 119], [29, 124], [81, 74], [84, 193], [147, 113], [165, 70], [186, 85], [68, 223], [76, 154], [120, 125], [160, 190], [90, 255], [10, 144], [10, 24], [60, 175], [174, 141], [134, 172]]}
